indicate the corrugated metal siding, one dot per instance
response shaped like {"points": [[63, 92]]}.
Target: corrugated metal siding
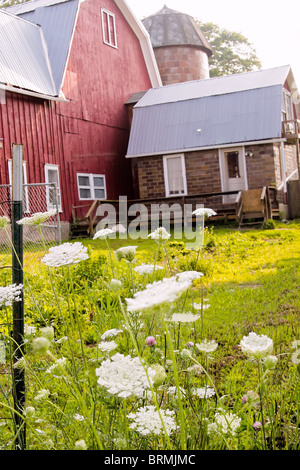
{"points": [[24, 61], [57, 19], [226, 119], [215, 86]]}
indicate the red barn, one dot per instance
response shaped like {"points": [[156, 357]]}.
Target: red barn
{"points": [[66, 73]]}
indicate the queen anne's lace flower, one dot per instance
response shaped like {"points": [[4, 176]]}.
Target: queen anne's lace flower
{"points": [[189, 275], [111, 333], [184, 318], [227, 423], [296, 357], [204, 211], [147, 421], [107, 346], [160, 235], [65, 254], [204, 392], [126, 252], [256, 346], [104, 233], [146, 268], [166, 290], [207, 346], [37, 218], [124, 376], [10, 294]]}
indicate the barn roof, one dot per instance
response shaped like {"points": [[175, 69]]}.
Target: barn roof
{"points": [[34, 52], [24, 60], [209, 113]]}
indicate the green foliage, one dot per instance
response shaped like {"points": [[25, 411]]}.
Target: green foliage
{"points": [[233, 53]]}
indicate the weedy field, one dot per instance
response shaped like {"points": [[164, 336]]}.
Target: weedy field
{"points": [[147, 345]]}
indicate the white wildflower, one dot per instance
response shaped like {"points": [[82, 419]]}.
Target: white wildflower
{"points": [[20, 363], [29, 411], [204, 392], [124, 376], [38, 218], [207, 346], [160, 235], [173, 391], [200, 306], [80, 445], [41, 344], [295, 344], [111, 333], [29, 330], [270, 362], [58, 368], [228, 423], [10, 294], [256, 346], [166, 290], [296, 357], [115, 285], [65, 254], [204, 212], [78, 417], [107, 346], [43, 394], [189, 275], [148, 421], [183, 318], [126, 252], [102, 234], [146, 268]]}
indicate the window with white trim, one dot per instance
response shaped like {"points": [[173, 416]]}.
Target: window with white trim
{"points": [[175, 175], [287, 106], [109, 28], [91, 187], [52, 191], [25, 182]]}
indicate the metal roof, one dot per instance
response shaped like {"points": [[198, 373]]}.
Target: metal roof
{"points": [[24, 60], [162, 124], [215, 86], [170, 27], [57, 19]]}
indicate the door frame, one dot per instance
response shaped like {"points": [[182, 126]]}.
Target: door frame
{"points": [[223, 171]]}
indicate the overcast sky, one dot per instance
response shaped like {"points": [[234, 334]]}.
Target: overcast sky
{"points": [[272, 26]]}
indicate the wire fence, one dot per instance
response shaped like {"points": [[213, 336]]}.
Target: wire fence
{"points": [[39, 197]]}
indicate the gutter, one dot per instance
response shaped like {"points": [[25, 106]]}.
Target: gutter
{"points": [[34, 94], [209, 147]]}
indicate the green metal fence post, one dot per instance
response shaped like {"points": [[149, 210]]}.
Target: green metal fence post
{"points": [[18, 307]]}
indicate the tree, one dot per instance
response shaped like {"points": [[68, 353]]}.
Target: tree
{"points": [[233, 53]]}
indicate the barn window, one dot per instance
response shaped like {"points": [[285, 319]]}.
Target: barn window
{"points": [[109, 28], [52, 191], [91, 186], [25, 182], [174, 173]]}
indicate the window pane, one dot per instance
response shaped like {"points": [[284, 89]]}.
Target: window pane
{"points": [[175, 176], [98, 181], [83, 181], [85, 193], [53, 176], [99, 194], [233, 164]]}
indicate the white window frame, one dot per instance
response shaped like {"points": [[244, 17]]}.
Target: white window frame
{"points": [[26, 208], [165, 165], [109, 16], [287, 106], [50, 166], [91, 186]]}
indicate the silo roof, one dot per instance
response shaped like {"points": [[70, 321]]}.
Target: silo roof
{"points": [[170, 27]]}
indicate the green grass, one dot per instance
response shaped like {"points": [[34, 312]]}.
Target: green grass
{"points": [[251, 283]]}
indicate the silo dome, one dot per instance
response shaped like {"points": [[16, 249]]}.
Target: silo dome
{"points": [[180, 47]]}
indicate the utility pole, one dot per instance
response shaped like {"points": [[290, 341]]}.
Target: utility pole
{"points": [[18, 307]]}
